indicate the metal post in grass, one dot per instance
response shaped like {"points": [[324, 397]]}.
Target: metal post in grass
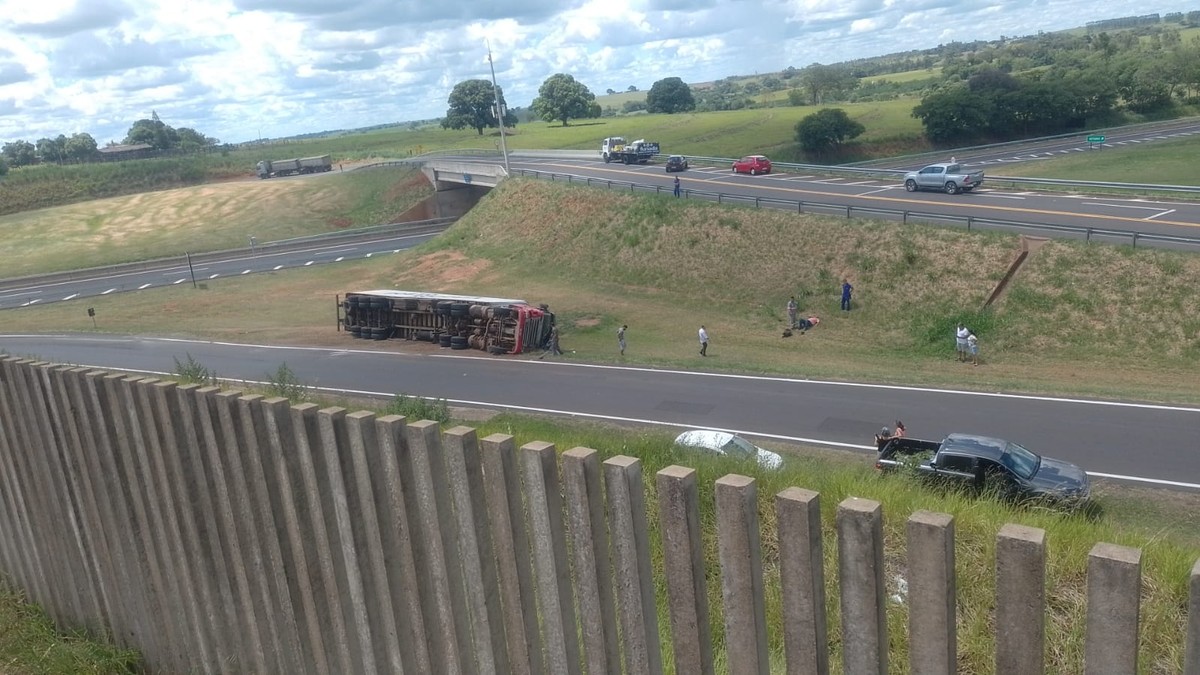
{"points": [[191, 269]]}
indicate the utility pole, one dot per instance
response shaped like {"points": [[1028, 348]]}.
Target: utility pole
{"points": [[499, 108]]}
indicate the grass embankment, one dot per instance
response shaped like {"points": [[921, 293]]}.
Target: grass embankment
{"points": [[1162, 163], [206, 218], [1094, 320], [30, 645]]}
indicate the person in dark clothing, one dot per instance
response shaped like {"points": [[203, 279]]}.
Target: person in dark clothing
{"points": [[847, 289], [677, 186]]}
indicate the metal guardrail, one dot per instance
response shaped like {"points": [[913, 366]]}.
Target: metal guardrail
{"points": [[849, 211], [255, 250]]}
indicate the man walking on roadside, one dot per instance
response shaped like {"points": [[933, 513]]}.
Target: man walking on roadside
{"points": [[621, 338], [847, 289], [703, 342], [791, 310]]}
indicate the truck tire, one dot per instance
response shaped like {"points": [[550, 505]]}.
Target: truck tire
{"points": [[497, 350], [444, 340], [910, 185], [607, 159], [951, 188]]}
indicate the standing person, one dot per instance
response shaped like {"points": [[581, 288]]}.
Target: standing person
{"points": [[552, 343], [703, 342], [621, 338], [973, 348], [792, 307], [677, 186], [847, 289], [900, 430], [960, 341]]}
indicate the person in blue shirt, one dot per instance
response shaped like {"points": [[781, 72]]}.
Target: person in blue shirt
{"points": [[847, 289]]}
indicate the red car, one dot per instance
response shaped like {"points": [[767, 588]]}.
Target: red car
{"points": [[753, 165]]}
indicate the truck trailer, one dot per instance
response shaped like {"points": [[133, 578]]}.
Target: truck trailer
{"points": [[268, 168], [616, 149], [494, 325]]}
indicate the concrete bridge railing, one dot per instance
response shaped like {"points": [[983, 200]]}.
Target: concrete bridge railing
{"points": [[223, 532]]}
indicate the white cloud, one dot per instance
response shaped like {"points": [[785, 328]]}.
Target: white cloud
{"points": [[237, 69]]}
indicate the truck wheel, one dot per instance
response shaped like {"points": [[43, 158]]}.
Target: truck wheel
{"points": [[951, 188], [607, 159], [910, 185]]}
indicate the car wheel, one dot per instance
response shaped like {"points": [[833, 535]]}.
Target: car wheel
{"points": [[951, 188], [753, 172], [910, 185]]}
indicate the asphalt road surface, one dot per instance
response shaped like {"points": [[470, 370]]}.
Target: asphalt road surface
{"points": [[1145, 443]]}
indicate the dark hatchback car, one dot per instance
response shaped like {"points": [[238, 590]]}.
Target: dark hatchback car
{"points": [[677, 163]]}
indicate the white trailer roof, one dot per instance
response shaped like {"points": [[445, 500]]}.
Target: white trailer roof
{"points": [[477, 299]]}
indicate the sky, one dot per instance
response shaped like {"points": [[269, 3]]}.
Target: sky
{"points": [[240, 70]]}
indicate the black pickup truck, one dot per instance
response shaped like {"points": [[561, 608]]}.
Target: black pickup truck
{"points": [[985, 462]]}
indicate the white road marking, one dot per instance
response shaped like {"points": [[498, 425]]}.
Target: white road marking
{"points": [[175, 283], [277, 267], [1126, 206], [863, 182], [339, 259], [214, 276], [71, 297], [247, 271], [108, 291], [309, 263], [145, 286], [368, 255], [882, 189], [32, 302], [1159, 214]]}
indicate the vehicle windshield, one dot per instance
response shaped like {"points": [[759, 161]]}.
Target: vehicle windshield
{"points": [[737, 447], [1021, 461]]}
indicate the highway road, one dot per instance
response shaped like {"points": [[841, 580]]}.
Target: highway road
{"points": [[1145, 443], [176, 275]]}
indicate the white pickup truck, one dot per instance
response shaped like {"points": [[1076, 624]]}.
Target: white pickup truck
{"points": [[947, 177]]}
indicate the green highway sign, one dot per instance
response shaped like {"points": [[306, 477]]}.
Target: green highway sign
{"points": [[1095, 139]]}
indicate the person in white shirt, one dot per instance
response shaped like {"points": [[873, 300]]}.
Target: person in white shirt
{"points": [[621, 338], [973, 348], [703, 342], [960, 341]]}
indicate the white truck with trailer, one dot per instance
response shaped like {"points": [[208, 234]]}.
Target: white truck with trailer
{"points": [[268, 168], [617, 149]]}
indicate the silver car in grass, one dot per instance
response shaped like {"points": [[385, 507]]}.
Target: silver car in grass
{"points": [[730, 445]]}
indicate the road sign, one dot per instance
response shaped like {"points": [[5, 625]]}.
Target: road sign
{"points": [[1095, 139]]}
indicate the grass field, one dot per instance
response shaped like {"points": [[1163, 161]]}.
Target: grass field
{"points": [[30, 645], [211, 217], [1162, 163]]}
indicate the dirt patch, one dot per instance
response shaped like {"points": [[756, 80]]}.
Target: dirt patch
{"points": [[587, 323], [443, 270], [341, 223]]}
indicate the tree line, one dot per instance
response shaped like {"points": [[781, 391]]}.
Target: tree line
{"points": [[82, 147]]}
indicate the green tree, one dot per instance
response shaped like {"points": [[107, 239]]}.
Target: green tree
{"points": [[192, 140], [52, 150], [561, 97], [953, 114], [595, 112], [19, 153], [3, 166], [472, 105], [153, 132], [670, 95], [80, 147], [827, 82], [826, 129]]}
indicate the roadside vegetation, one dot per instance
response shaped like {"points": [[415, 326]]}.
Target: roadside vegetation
{"points": [[31, 645]]}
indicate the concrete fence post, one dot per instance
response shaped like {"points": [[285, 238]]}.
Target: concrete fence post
{"points": [[583, 490], [1191, 664], [1114, 595], [340, 526], [192, 565], [860, 572], [213, 416], [22, 496], [1020, 600], [740, 553], [631, 558], [553, 570], [253, 446], [398, 535], [683, 567], [359, 460], [194, 434], [932, 631], [506, 516], [279, 458], [465, 472], [802, 581], [318, 518], [437, 558]]}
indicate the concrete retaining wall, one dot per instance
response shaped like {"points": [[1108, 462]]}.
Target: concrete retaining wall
{"points": [[220, 532]]}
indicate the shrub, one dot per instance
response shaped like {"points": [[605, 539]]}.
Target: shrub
{"points": [[283, 382], [192, 371], [418, 408]]}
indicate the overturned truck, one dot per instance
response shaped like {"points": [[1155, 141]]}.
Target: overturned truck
{"points": [[494, 325]]}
